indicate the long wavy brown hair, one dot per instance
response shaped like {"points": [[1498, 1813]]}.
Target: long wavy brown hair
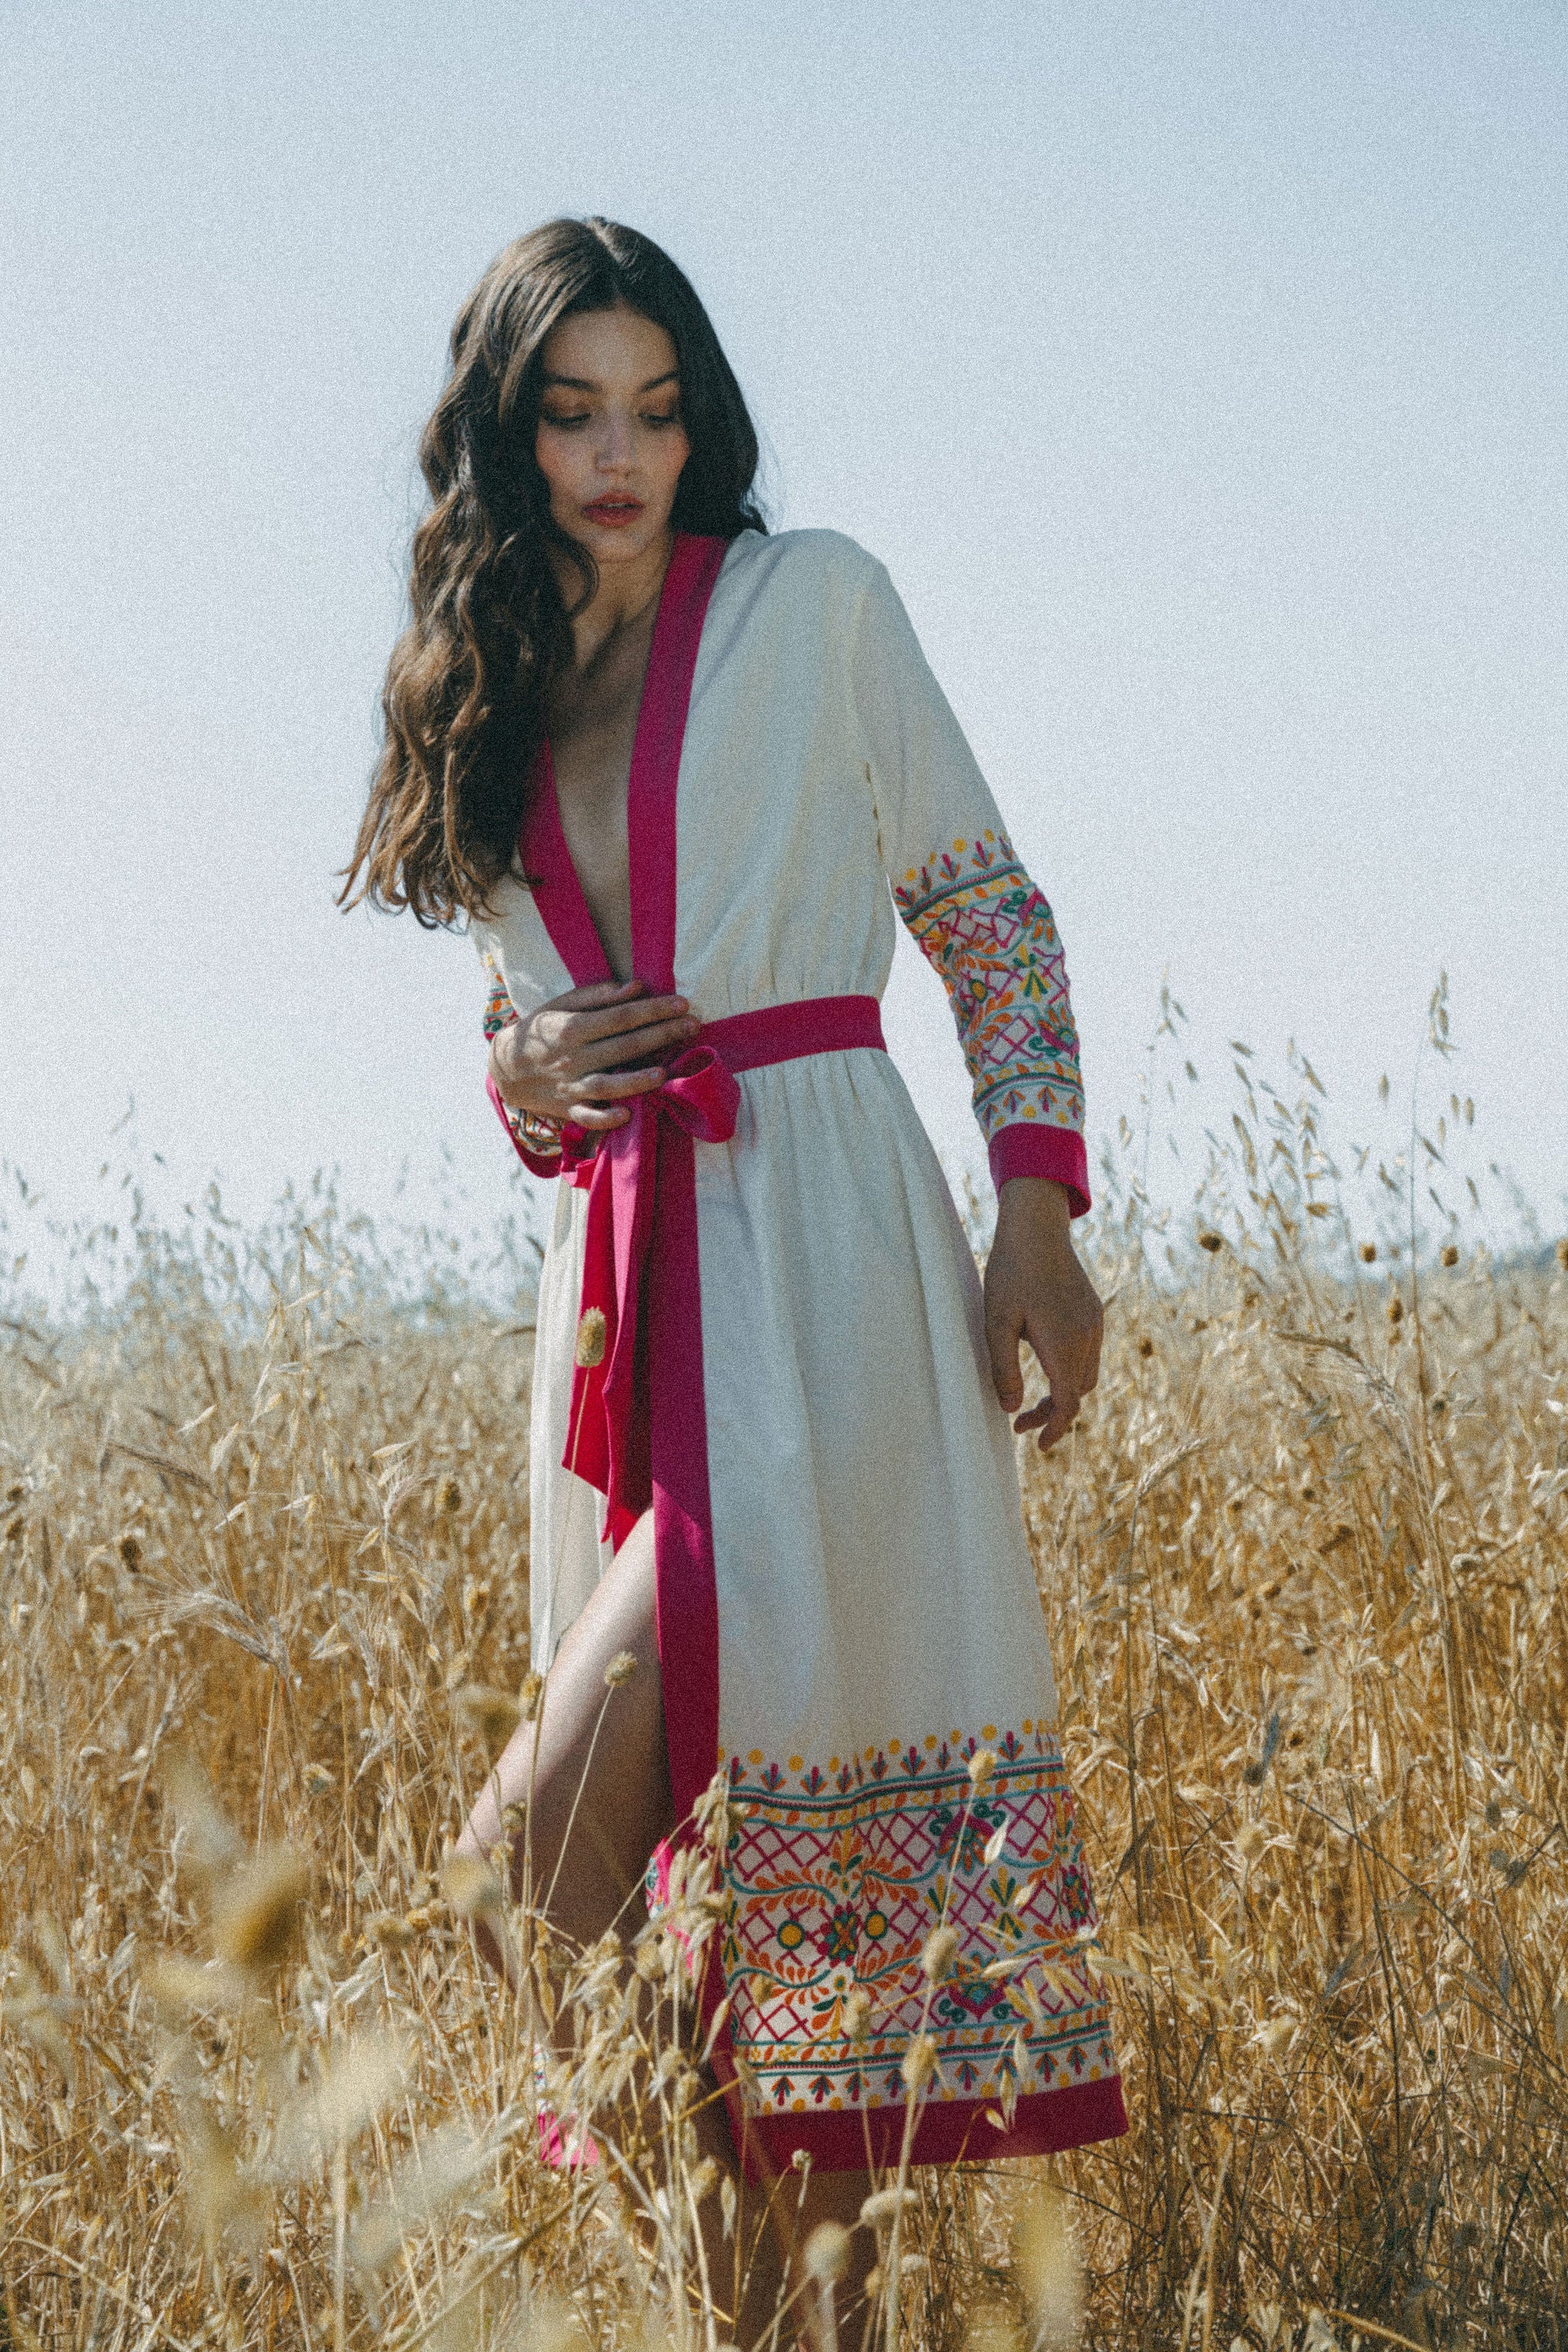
{"points": [[464, 698]]}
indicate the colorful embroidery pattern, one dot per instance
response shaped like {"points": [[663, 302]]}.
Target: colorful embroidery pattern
{"points": [[980, 919], [837, 1876], [539, 1135]]}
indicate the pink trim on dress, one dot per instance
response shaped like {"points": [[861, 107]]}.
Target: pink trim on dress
{"points": [[620, 1170], [642, 1192], [948, 2130], [1056, 1153]]}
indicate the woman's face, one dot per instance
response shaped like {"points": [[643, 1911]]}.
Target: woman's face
{"points": [[610, 443]]}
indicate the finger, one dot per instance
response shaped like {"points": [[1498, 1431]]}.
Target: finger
{"points": [[613, 1086], [1002, 1336], [1053, 1416], [593, 1119], [1056, 1428], [619, 1018], [1064, 1360], [630, 1045]]}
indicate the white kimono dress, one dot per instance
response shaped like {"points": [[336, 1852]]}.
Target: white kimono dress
{"points": [[795, 1377]]}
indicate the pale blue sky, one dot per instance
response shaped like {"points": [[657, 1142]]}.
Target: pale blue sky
{"points": [[1197, 370]]}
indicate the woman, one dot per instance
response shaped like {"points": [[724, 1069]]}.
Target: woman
{"points": [[678, 774]]}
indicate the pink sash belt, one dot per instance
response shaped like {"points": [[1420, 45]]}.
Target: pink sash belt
{"points": [[609, 1443]]}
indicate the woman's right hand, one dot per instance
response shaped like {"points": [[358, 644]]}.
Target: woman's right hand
{"points": [[570, 1059]]}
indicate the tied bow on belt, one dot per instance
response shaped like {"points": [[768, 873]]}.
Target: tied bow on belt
{"points": [[608, 1444], [633, 1217]]}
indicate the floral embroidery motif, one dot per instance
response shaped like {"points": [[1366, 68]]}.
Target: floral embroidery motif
{"points": [[836, 1878], [979, 918], [541, 1135]]}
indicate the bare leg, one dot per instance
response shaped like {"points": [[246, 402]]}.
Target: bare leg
{"points": [[622, 1799], [827, 2197], [599, 1807]]}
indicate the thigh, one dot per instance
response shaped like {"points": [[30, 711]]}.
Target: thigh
{"points": [[592, 1773]]}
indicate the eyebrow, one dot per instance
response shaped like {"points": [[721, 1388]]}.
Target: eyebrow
{"points": [[586, 383]]}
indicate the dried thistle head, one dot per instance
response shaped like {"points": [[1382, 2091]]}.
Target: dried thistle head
{"points": [[938, 1955], [591, 1334], [1369, 1253], [826, 2255], [1396, 1309], [470, 1886], [131, 1550], [448, 1497], [256, 1912], [1448, 1254], [884, 2205], [621, 1669], [1211, 1242], [918, 2062], [1145, 1345], [492, 1716], [391, 1933]]}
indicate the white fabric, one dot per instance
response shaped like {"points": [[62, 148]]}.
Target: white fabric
{"points": [[874, 1583]]}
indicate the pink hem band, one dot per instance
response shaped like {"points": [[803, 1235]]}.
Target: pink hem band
{"points": [[949, 2131], [1054, 1153]]}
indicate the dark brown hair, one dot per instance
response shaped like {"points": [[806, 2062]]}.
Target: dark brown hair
{"points": [[465, 686]]}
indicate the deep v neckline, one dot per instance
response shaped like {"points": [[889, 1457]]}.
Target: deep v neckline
{"points": [[651, 783]]}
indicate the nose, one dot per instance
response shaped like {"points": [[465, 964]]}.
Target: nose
{"points": [[613, 453]]}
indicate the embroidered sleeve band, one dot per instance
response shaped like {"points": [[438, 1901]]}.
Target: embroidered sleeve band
{"points": [[976, 914]]}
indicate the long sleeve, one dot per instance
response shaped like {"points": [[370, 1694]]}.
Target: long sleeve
{"points": [[966, 900], [536, 1141]]}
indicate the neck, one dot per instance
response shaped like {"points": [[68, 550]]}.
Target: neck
{"points": [[625, 595]]}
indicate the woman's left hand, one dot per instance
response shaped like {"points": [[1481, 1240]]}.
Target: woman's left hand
{"points": [[1037, 1290]]}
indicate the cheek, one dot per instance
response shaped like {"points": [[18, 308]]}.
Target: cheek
{"points": [[674, 451], [561, 461]]}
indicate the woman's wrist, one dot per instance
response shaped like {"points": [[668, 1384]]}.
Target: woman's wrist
{"points": [[1036, 1202]]}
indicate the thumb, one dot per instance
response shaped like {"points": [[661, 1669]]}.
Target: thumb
{"points": [[1003, 1333]]}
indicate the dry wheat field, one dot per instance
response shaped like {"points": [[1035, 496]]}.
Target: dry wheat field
{"points": [[262, 1570]]}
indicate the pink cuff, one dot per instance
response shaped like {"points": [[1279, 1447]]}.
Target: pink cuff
{"points": [[542, 1163], [1055, 1152]]}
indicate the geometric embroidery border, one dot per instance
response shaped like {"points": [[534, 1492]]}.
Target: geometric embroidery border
{"points": [[835, 1874]]}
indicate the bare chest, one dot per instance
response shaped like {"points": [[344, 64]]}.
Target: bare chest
{"points": [[593, 727]]}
